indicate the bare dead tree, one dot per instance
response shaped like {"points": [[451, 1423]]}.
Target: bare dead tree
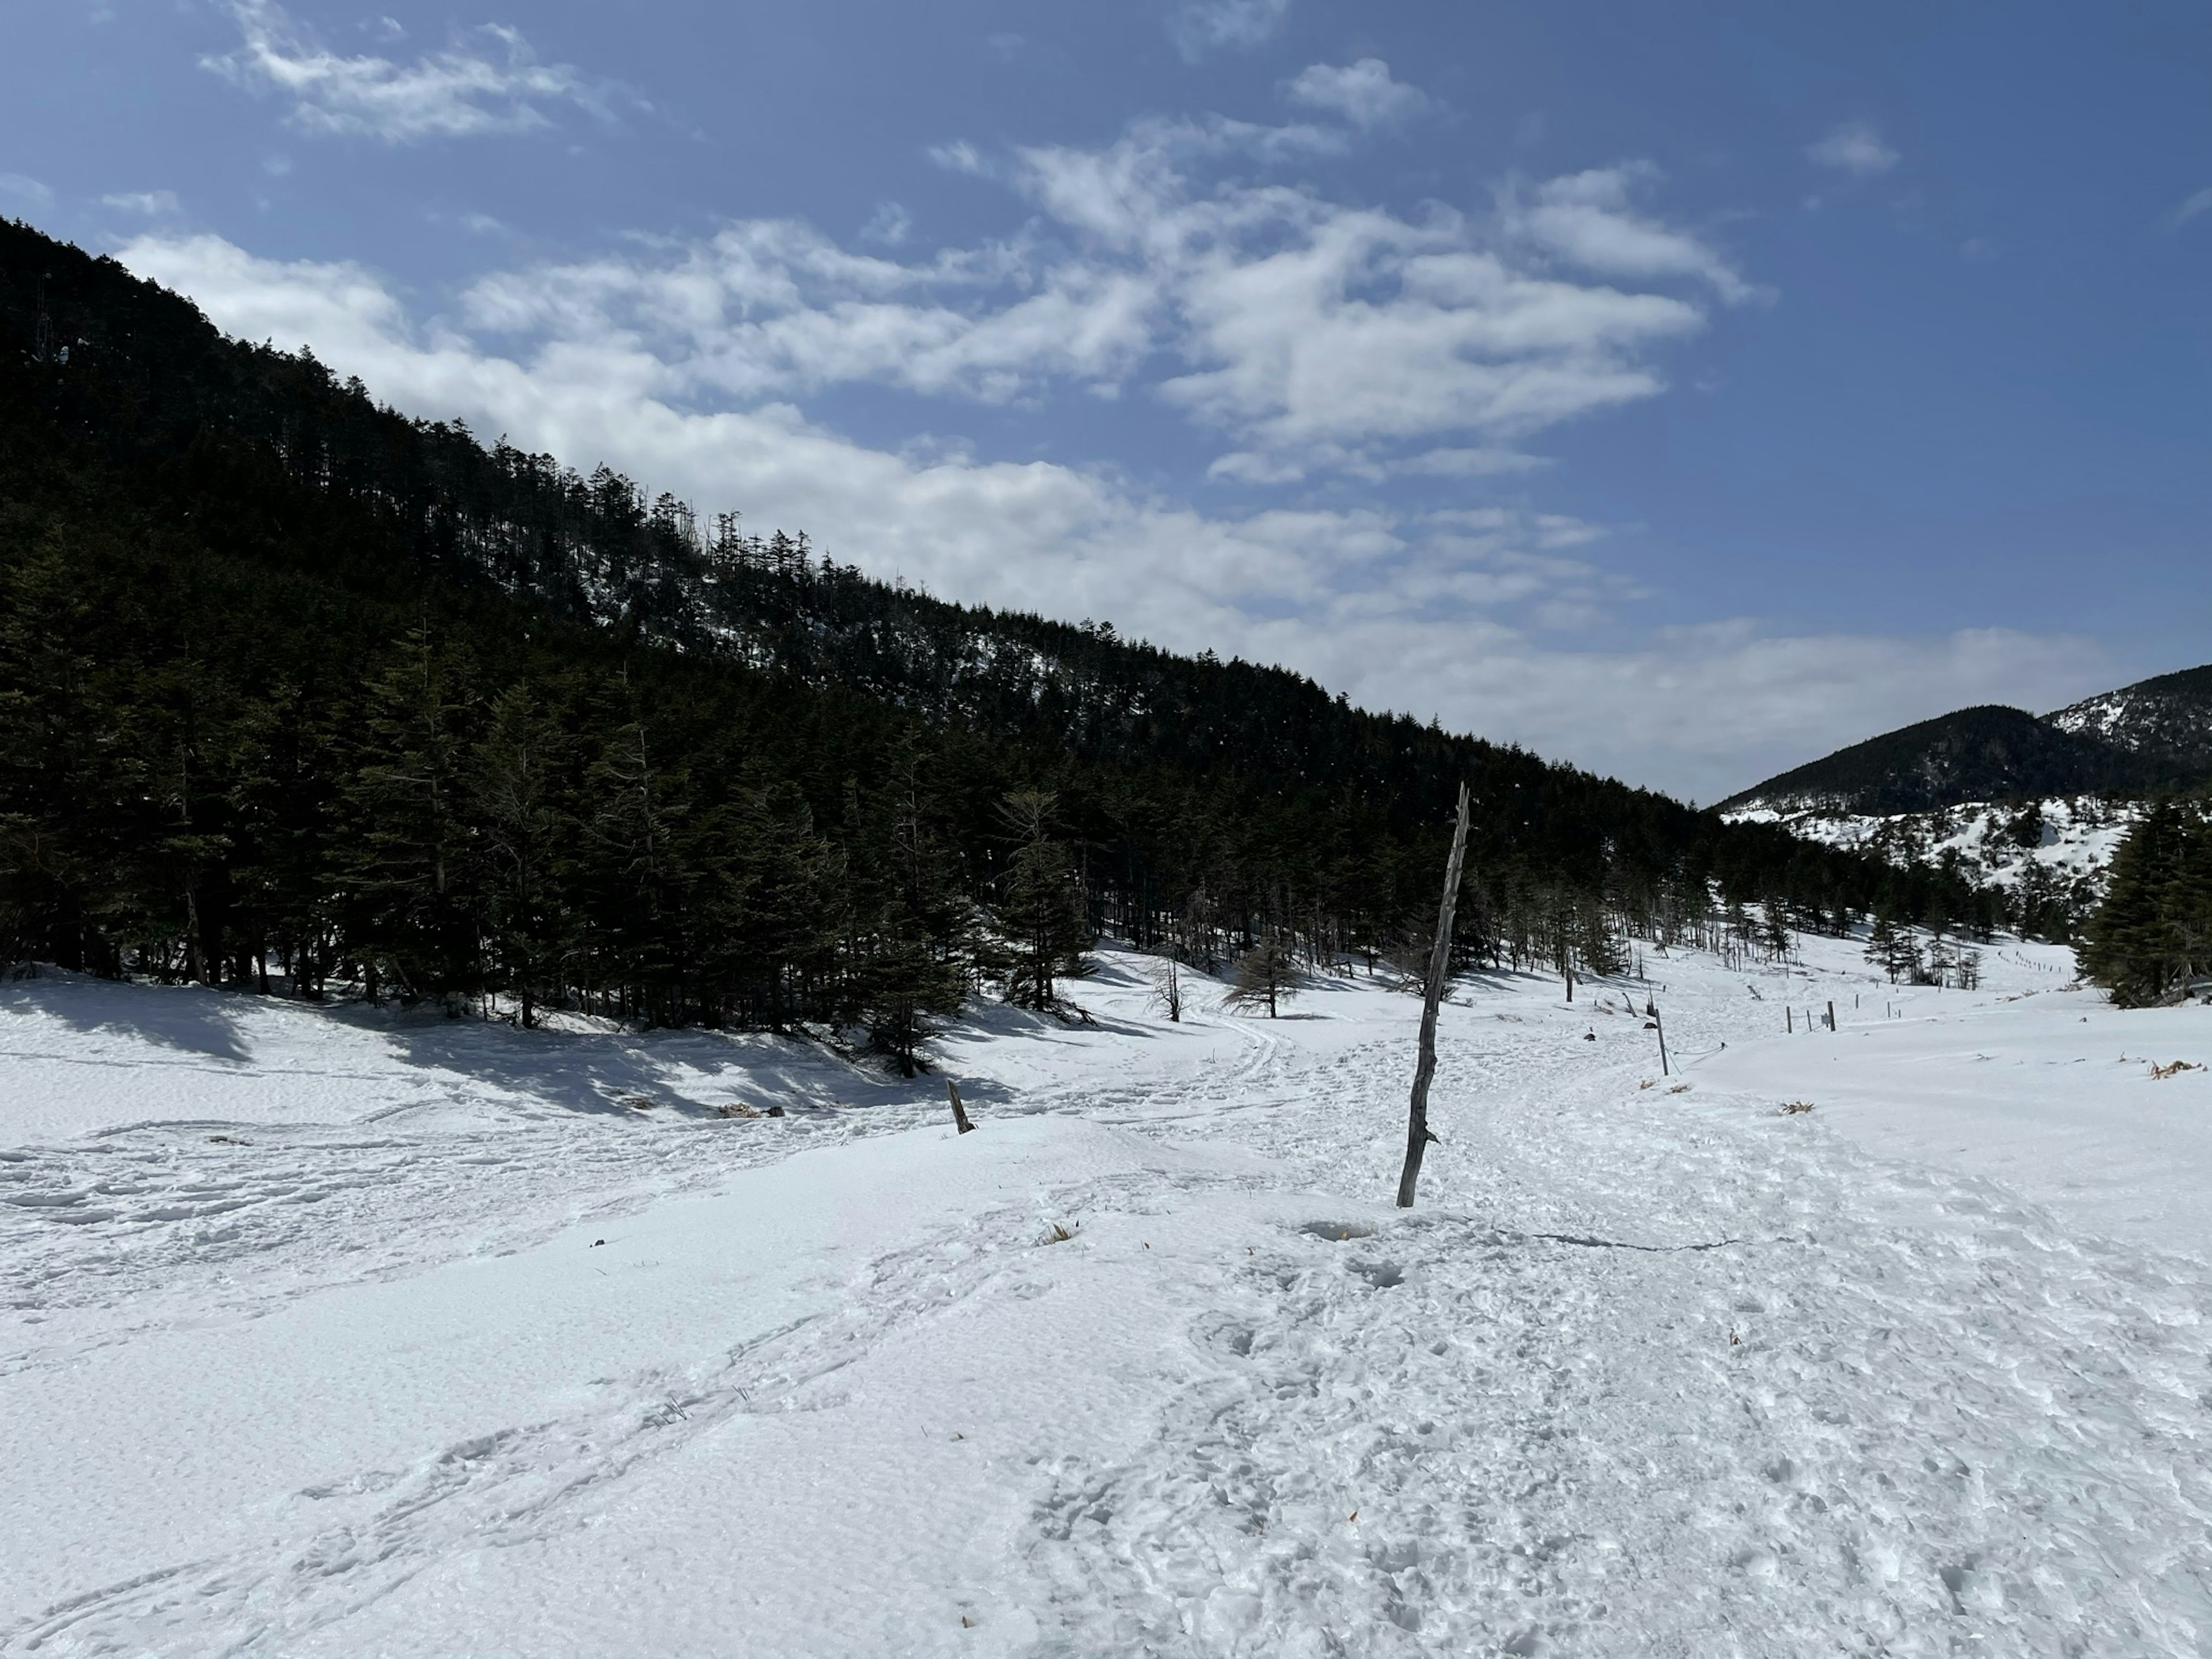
{"points": [[1417, 1119], [1167, 990], [959, 1112]]}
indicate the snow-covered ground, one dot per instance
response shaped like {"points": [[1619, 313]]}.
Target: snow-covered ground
{"points": [[332, 1334], [2070, 850]]}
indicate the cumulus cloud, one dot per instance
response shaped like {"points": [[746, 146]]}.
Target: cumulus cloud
{"points": [[1856, 148], [1457, 614], [488, 82], [1204, 26], [1362, 93]]}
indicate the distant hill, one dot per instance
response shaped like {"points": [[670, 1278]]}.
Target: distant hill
{"points": [[2133, 741], [2169, 719]]}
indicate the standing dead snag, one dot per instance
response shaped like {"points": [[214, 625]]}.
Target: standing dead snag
{"points": [[959, 1112], [1167, 990], [1417, 1119]]}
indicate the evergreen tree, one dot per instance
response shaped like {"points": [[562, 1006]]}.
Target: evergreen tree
{"points": [[911, 937], [1042, 912], [515, 781], [408, 858], [2154, 930], [1881, 943]]}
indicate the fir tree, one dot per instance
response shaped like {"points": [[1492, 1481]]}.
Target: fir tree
{"points": [[515, 779], [409, 860], [2151, 932], [1881, 943], [1042, 912]]}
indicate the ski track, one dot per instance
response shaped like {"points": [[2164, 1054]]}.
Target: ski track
{"points": [[1647, 1373]]}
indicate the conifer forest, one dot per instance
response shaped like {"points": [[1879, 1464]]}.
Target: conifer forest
{"points": [[298, 692]]}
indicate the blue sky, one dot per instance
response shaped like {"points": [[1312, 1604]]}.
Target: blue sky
{"points": [[1680, 391]]}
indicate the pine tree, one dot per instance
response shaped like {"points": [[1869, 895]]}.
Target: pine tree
{"points": [[1881, 943], [515, 777], [911, 938], [638, 852], [2133, 945], [409, 860], [1041, 911]]}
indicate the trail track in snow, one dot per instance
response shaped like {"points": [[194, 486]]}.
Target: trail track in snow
{"points": [[1817, 1401]]}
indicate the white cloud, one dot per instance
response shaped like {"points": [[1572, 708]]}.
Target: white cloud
{"points": [[1319, 335], [1362, 93], [25, 188], [148, 202], [488, 82], [2189, 209], [958, 156], [889, 225], [1452, 614], [1856, 148], [1312, 336], [1204, 26], [1585, 220]]}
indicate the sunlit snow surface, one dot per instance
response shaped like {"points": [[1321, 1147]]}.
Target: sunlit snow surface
{"points": [[313, 1347]]}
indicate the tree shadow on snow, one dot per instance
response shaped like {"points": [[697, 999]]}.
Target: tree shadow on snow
{"points": [[190, 1019], [691, 1073]]}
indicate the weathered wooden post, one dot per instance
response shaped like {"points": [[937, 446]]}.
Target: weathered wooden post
{"points": [[959, 1112], [1417, 1118], [1658, 1024]]}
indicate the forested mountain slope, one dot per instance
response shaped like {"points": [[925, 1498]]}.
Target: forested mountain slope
{"points": [[292, 684], [2153, 735], [2167, 719], [1981, 754]]}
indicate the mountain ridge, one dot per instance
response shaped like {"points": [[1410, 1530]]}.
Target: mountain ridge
{"points": [[2154, 734]]}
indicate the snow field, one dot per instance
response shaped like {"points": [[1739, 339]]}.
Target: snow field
{"points": [[1647, 1372]]}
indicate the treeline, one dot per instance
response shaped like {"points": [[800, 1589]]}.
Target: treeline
{"points": [[2152, 937], [294, 687]]}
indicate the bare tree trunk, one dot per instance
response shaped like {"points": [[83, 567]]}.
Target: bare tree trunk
{"points": [[959, 1112], [1417, 1119]]}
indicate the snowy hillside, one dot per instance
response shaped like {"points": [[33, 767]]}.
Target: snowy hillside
{"points": [[333, 1333], [2169, 716], [2066, 842]]}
